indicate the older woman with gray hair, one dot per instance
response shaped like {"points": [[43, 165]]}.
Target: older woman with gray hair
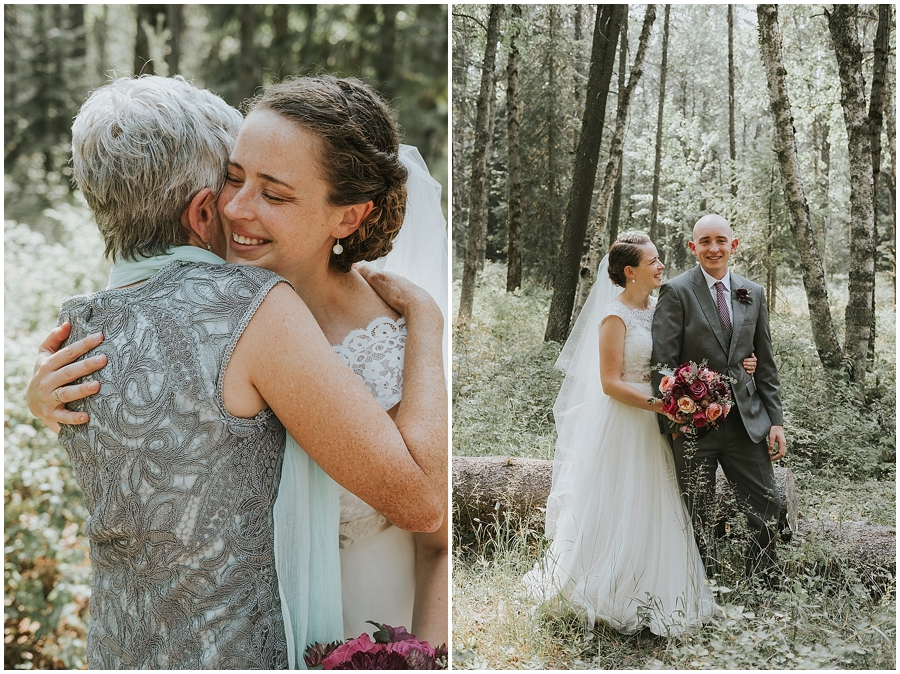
{"points": [[180, 454]]}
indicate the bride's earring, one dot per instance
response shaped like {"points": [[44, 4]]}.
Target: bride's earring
{"points": [[338, 248], [208, 246], [633, 280]]}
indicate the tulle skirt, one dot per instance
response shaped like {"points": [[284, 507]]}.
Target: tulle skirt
{"points": [[623, 550]]}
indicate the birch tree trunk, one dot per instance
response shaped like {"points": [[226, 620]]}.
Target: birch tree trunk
{"points": [[584, 170], [597, 249], [478, 178], [552, 178], [654, 206], [785, 146], [876, 118], [858, 317], [731, 143], [514, 204], [247, 80]]}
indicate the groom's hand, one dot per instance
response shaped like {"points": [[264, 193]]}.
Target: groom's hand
{"points": [[776, 437]]}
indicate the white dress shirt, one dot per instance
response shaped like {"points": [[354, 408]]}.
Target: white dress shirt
{"points": [[726, 281]]}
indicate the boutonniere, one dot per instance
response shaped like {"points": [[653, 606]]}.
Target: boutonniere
{"points": [[743, 296]]}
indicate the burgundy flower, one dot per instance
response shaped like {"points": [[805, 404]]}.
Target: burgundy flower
{"points": [[699, 419], [697, 389], [743, 296], [316, 653], [375, 659]]}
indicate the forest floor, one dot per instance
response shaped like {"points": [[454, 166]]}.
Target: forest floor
{"points": [[843, 461]]}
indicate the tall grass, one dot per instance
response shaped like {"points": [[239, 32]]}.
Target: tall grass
{"points": [[843, 459]]}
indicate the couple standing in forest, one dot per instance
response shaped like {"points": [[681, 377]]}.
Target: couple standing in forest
{"points": [[629, 498]]}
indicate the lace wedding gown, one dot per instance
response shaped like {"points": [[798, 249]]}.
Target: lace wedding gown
{"points": [[622, 549], [360, 565], [378, 560]]}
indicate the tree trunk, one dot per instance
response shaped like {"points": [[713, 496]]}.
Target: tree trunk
{"points": [[146, 20], [657, 166], [479, 179], [387, 56], [282, 44], [514, 204], [552, 178], [731, 144], [827, 344], [842, 25], [891, 178], [597, 247], [247, 80], [307, 50], [876, 118], [175, 18], [584, 170], [100, 36], [578, 108], [616, 207]]}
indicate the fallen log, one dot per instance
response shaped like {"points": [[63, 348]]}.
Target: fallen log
{"points": [[514, 490], [498, 493]]}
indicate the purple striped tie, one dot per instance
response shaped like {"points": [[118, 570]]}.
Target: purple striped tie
{"points": [[723, 308]]}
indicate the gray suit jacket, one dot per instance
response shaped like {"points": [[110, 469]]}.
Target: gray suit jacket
{"points": [[686, 326]]}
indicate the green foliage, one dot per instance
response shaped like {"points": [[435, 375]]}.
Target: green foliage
{"points": [[56, 54], [504, 383], [46, 570]]}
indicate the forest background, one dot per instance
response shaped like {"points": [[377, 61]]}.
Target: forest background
{"points": [[54, 55], [543, 181]]}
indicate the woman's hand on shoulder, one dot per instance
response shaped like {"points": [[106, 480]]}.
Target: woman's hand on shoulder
{"points": [[402, 295], [50, 387]]}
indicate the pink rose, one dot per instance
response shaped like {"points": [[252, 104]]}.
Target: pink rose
{"points": [[685, 373], [725, 410], [667, 383], [706, 375], [685, 404], [699, 419], [344, 652], [713, 412]]}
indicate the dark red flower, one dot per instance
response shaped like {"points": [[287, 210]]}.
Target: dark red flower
{"points": [[743, 296], [375, 659], [697, 389], [699, 419], [316, 653]]}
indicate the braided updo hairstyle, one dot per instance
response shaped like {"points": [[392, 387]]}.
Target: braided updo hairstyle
{"points": [[360, 154], [626, 251]]}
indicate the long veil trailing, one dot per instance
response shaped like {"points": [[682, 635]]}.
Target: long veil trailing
{"points": [[576, 406], [420, 249]]}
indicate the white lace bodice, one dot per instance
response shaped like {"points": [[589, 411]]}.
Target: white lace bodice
{"points": [[375, 354], [638, 339]]}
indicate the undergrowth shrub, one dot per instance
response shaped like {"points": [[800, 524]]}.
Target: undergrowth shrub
{"points": [[46, 569]]}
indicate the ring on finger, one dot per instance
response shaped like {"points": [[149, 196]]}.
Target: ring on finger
{"points": [[56, 395]]}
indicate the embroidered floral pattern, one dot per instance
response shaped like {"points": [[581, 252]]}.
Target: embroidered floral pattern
{"points": [[638, 339], [179, 492], [375, 354]]}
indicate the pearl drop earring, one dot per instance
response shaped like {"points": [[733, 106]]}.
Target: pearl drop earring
{"points": [[338, 248]]}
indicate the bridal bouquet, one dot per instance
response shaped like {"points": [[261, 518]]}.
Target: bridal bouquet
{"points": [[695, 398], [393, 648]]}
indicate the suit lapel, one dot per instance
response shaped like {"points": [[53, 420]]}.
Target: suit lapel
{"points": [[701, 292], [738, 310]]}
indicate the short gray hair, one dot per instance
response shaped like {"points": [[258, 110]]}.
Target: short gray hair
{"points": [[141, 150]]}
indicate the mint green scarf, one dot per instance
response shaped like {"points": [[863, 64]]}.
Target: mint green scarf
{"points": [[126, 272]]}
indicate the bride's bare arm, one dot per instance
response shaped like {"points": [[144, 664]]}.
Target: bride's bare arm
{"points": [[429, 620], [612, 355], [284, 358]]}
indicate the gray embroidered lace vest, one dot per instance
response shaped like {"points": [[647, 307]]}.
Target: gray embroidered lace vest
{"points": [[179, 492]]}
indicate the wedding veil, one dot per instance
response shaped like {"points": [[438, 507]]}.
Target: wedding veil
{"points": [[575, 409], [420, 249]]}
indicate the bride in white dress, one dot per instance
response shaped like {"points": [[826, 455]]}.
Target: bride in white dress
{"points": [[622, 548]]}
